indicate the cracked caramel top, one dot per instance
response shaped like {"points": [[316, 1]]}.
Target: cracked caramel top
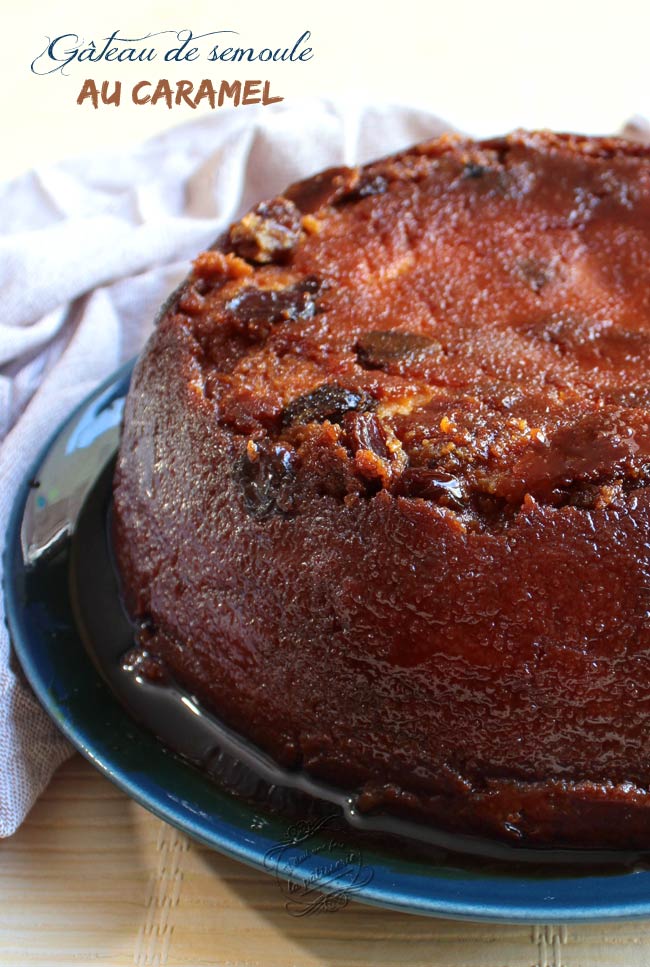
{"points": [[465, 323]]}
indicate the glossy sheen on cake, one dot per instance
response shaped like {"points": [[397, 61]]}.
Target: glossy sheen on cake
{"points": [[382, 496]]}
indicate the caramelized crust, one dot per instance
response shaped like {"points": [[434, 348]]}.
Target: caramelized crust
{"points": [[382, 491]]}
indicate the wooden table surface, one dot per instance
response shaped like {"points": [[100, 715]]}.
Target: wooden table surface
{"points": [[93, 878]]}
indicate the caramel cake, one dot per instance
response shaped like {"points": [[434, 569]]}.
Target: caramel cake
{"points": [[381, 501]]}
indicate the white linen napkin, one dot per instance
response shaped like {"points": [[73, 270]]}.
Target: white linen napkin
{"points": [[88, 250]]}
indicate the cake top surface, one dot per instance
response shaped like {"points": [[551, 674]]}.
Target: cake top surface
{"points": [[463, 323]]}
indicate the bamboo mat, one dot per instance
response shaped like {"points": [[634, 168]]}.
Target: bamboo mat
{"points": [[92, 878]]}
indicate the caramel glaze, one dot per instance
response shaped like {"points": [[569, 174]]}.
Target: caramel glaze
{"points": [[382, 496]]}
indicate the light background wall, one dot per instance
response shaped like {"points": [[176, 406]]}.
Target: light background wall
{"points": [[485, 65]]}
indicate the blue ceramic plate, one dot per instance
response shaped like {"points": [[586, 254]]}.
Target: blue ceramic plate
{"points": [[315, 856]]}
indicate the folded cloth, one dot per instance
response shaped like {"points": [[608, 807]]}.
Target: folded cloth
{"points": [[88, 251]]}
